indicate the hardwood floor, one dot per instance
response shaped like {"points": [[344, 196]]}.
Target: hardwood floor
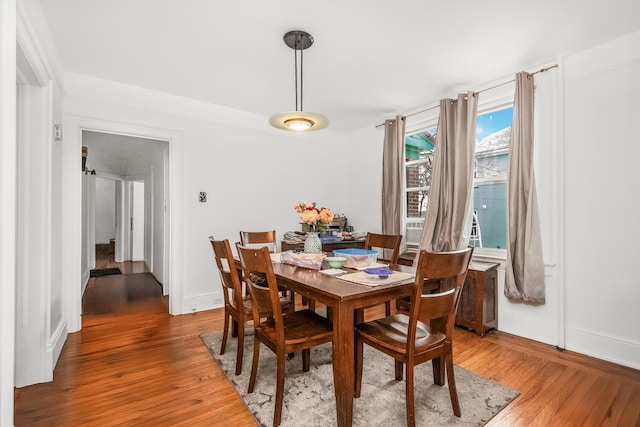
{"points": [[142, 366]]}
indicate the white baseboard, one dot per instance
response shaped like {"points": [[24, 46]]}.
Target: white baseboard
{"points": [[84, 280], [528, 327], [614, 350], [54, 347], [202, 302]]}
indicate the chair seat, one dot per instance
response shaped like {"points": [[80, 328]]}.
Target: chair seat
{"points": [[303, 327], [391, 332]]}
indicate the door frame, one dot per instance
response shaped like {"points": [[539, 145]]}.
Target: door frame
{"points": [[173, 231]]}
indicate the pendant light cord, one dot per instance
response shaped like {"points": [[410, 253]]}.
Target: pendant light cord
{"points": [[298, 46], [295, 71], [301, 74]]}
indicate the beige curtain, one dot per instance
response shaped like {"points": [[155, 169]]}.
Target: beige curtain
{"points": [[392, 164], [524, 270], [448, 219]]}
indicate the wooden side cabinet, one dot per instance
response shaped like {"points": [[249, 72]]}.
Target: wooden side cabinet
{"points": [[326, 247], [478, 309]]}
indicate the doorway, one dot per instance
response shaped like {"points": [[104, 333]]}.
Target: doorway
{"points": [[135, 169]]}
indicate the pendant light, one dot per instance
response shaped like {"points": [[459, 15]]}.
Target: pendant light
{"points": [[298, 120]]}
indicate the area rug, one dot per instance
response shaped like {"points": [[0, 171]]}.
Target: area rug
{"points": [[309, 398], [104, 272]]}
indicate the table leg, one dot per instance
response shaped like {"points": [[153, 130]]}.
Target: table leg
{"points": [[343, 363]]}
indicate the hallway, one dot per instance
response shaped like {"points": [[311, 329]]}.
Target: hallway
{"points": [[119, 293]]}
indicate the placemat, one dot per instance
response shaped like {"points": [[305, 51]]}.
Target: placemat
{"points": [[363, 278]]}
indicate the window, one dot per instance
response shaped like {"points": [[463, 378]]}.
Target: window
{"points": [[418, 166], [489, 228]]}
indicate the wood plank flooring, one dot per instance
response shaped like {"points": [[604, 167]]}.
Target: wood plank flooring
{"points": [[143, 367]]}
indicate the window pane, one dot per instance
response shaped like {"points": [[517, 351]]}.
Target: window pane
{"points": [[417, 203], [419, 145], [489, 193], [418, 175], [490, 203]]}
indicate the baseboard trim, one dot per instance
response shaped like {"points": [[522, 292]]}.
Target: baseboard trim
{"points": [[528, 327], [54, 347], [202, 302], [613, 350]]}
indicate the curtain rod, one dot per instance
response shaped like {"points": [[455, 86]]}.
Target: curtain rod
{"points": [[542, 70]]}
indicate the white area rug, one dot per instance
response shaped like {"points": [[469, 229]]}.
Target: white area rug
{"points": [[309, 398]]}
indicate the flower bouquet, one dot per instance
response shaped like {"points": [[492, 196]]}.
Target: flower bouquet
{"points": [[314, 220]]}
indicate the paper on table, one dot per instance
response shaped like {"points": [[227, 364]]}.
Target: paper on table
{"points": [[332, 271], [363, 278], [276, 257]]}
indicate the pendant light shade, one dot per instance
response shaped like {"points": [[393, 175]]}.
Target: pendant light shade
{"points": [[298, 120]]}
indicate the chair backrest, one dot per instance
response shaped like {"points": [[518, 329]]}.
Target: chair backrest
{"points": [[438, 309], [257, 239], [231, 284], [385, 241], [257, 263]]}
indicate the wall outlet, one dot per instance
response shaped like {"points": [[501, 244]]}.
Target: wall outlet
{"points": [[203, 197]]}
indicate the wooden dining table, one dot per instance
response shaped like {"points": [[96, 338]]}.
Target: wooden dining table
{"points": [[346, 300]]}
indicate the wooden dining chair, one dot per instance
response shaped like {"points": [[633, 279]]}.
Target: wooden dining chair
{"points": [[256, 239], [237, 307], [268, 239], [390, 243], [426, 333], [284, 333]]}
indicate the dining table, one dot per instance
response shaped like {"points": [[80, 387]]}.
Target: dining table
{"points": [[346, 301]]}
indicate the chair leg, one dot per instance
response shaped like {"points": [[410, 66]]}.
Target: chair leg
{"points": [[234, 328], [411, 418], [399, 370], [438, 370], [358, 364], [306, 359], [240, 350], [277, 410], [254, 364], [453, 393], [225, 333]]}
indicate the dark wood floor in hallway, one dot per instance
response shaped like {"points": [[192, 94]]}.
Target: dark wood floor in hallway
{"points": [[141, 366]]}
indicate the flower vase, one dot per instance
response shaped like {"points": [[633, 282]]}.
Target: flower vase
{"points": [[312, 244]]}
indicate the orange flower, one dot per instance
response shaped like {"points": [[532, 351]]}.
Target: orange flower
{"points": [[313, 219]]}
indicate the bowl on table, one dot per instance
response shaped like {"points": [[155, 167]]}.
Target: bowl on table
{"points": [[335, 261], [379, 272]]}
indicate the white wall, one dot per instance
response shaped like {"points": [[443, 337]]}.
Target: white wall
{"points": [[602, 152], [105, 210], [252, 173], [40, 325], [8, 206]]}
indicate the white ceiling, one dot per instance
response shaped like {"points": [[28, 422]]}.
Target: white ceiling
{"points": [[370, 59], [122, 155]]}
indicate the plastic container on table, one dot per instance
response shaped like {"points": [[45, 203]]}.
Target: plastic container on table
{"points": [[357, 258]]}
